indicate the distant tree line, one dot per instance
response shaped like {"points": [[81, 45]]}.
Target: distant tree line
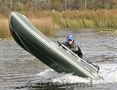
{"points": [[58, 5]]}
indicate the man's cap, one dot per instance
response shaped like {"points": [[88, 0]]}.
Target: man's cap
{"points": [[70, 37]]}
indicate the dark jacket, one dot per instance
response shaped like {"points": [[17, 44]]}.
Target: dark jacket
{"points": [[75, 48]]}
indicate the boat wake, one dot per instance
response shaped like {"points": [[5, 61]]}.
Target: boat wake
{"points": [[53, 76], [107, 71]]}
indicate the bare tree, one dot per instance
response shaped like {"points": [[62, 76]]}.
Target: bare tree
{"points": [[85, 4], [76, 4], [65, 4], [103, 4], [11, 4]]}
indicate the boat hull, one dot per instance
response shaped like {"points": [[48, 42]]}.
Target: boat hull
{"points": [[51, 54]]}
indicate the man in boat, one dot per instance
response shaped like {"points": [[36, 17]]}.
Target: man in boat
{"points": [[72, 46]]}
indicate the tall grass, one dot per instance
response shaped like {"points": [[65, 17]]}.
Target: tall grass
{"points": [[80, 18], [91, 19], [4, 30], [45, 25], [47, 21]]}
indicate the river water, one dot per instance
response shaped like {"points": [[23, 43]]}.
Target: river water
{"points": [[19, 70]]}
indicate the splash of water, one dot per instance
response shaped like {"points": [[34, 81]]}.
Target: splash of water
{"points": [[107, 71]]}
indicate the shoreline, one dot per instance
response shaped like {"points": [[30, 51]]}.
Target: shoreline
{"points": [[101, 30], [3, 39], [48, 21]]}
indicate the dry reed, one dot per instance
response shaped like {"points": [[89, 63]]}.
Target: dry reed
{"points": [[45, 25], [4, 30], [47, 21]]}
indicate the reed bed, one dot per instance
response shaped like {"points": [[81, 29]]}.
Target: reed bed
{"points": [[47, 21], [80, 18], [4, 30], [45, 25], [90, 19]]}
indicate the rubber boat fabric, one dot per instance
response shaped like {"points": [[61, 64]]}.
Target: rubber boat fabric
{"points": [[54, 55]]}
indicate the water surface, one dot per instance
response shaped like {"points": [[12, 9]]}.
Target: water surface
{"points": [[20, 70]]}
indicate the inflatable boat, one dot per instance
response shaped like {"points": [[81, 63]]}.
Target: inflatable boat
{"points": [[56, 56]]}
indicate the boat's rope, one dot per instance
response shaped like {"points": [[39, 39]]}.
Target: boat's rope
{"points": [[22, 42], [19, 38]]}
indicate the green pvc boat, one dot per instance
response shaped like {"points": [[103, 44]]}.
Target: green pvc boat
{"points": [[51, 54]]}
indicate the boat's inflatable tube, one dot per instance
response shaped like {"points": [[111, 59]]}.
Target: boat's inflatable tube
{"points": [[51, 54]]}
